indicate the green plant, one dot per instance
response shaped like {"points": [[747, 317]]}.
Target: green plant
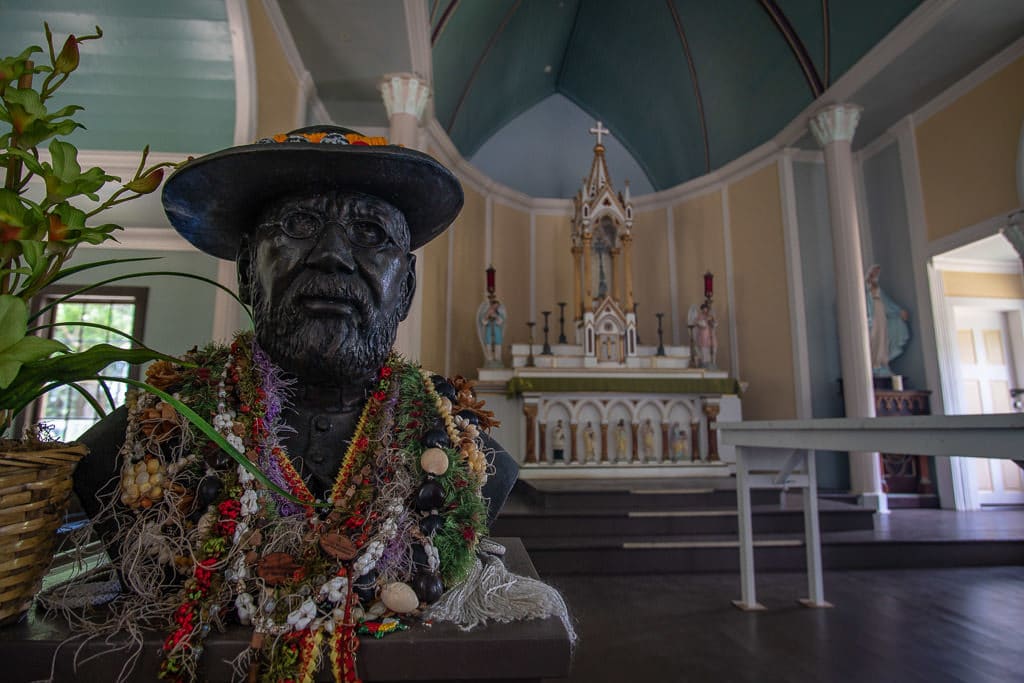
{"points": [[47, 210], [48, 207]]}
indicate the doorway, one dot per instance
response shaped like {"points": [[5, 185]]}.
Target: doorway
{"points": [[988, 371]]}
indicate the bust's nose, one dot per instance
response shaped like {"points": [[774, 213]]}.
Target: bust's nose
{"points": [[332, 252]]}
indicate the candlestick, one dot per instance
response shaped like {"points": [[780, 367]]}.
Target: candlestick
{"points": [[661, 345], [561, 323], [529, 358], [546, 351]]}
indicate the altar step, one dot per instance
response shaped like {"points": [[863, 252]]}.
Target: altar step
{"points": [[636, 527]]}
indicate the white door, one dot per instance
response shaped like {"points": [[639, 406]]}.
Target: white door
{"points": [[986, 377]]}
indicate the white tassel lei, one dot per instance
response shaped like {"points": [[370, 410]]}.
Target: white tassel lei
{"points": [[492, 592]]}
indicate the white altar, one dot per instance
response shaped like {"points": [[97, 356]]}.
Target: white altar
{"points": [[604, 405]]}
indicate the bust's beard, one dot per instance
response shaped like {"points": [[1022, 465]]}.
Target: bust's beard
{"points": [[325, 350]]}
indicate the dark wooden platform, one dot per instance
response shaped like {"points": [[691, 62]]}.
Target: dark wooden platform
{"points": [[690, 526], [521, 651]]}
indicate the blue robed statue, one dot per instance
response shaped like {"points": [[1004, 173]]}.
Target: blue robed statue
{"points": [[490, 327], [888, 332]]}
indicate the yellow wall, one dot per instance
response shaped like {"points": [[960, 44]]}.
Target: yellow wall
{"points": [[982, 285], [554, 273], [762, 296], [277, 89], [650, 274], [967, 153], [700, 247], [468, 284], [511, 247], [432, 280]]}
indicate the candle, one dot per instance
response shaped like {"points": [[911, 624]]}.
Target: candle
{"points": [[490, 279], [708, 284]]}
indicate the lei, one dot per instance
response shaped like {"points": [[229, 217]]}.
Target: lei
{"points": [[403, 521]]}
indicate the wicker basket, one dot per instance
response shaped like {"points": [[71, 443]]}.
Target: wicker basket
{"points": [[35, 486]]}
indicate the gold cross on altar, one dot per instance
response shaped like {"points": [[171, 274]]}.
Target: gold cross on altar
{"points": [[599, 130]]}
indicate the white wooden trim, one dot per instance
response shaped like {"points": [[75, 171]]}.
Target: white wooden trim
{"points": [[734, 332], [417, 24], [225, 309], [122, 164], [973, 233], [533, 266], [673, 275], [488, 230], [795, 280], [244, 60], [317, 111], [284, 37], [917, 228], [147, 239], [449, 298], [964, 265], [984, 72], [303, 96], [867, 243], [948, 474]]}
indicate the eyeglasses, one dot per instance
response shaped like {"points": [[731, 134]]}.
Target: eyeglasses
{"points": [[303, 225]]}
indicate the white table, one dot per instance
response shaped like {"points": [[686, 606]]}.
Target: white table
{"points": [[988, 436]]}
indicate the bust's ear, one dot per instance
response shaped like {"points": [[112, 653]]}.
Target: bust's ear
{"points": [[409, 286], [244, 263]]}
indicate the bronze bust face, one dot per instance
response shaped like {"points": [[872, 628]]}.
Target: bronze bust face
{"points": [[329, 277]]}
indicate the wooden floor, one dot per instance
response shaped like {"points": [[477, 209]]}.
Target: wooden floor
{"points": [[927, 625]]}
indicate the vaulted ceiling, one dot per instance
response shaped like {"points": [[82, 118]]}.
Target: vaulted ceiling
{"points": [[685, 85]]}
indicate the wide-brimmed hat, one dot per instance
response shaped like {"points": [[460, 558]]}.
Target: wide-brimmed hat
{"points": [[214, 199]]}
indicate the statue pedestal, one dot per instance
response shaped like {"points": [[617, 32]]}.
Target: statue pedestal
{"points": [[520, 651]]}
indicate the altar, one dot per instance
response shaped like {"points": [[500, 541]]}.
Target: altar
{"points": [[597, 402]]}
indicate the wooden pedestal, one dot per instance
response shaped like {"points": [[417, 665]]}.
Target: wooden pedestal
{"points": [[521, 651]]}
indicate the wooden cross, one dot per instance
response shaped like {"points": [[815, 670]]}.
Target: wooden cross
{"points": [[599, 130]]}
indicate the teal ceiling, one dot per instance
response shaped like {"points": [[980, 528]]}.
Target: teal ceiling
{"points": [[685, 85], [162, 75]]}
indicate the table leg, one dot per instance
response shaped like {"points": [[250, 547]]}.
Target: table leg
{"points": [[748, 591]]}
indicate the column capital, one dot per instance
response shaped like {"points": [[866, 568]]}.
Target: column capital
{"points": [[836, 123], [404, 93]]}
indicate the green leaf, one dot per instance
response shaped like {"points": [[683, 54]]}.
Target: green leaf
{"points": [[13, 320], [12, 211], [25, 350], [32, 251], [11, 68], [30, 161], [67, 368]]}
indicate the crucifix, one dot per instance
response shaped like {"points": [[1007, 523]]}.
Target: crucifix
{"points": [[599, 130]]}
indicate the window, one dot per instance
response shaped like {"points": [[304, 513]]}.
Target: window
{"points": [[123, 308]]}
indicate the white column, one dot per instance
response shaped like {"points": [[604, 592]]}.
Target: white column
{"points": [[405, 97], [833, 128]]}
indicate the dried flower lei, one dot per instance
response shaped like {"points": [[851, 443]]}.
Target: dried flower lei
{"points": [[248, 542]]}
